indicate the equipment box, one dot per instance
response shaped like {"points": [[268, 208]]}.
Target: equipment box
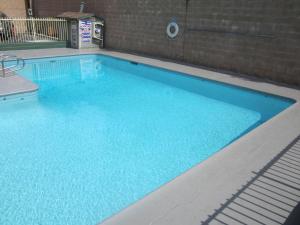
{"points": [[86, 30]]}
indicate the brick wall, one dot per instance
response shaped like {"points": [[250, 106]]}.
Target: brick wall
{"points": [[258, 37], [13, 8], [140, 26], [44, 8]]}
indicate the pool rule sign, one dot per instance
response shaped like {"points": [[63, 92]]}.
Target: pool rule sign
{"points": [[85, 33]]}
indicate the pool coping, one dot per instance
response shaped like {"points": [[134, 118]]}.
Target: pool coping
{"points": [[193, 196]]}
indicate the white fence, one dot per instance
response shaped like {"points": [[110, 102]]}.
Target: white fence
{"points": [[20, 30]]}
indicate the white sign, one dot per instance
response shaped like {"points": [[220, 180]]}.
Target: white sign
{"points": [[85, 31]]}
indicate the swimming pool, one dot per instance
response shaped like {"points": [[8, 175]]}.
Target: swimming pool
{"points": [[103, 132]]}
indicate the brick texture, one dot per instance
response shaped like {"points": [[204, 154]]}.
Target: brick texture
{"points": [[259, 37], [44, 8], [13, 8]]}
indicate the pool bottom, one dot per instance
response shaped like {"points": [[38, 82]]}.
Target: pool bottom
{"points": [[111, 139]]}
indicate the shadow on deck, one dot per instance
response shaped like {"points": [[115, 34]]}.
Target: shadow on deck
{"points": [[271, 197]]}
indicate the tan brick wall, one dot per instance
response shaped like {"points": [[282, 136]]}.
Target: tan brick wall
{"points": [[13, 8], [259, 37], [46, 8]]}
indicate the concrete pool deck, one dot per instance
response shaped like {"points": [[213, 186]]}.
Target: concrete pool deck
{"points": [[190, 198]]}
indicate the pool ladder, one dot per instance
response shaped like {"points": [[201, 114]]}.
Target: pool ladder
{"points": [[18, 64]]}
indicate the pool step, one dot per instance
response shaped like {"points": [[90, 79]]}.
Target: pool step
{"points": [[15, 85]]}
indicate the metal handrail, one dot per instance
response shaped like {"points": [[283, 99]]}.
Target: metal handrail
{"points": [[20, 64]]}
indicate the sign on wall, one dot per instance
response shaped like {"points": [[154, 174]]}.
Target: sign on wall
{"points": [[85, 33]]}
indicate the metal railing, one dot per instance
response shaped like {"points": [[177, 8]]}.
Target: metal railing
{"points": [[10, 64], [20, 30]]}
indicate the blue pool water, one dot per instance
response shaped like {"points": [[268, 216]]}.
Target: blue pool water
{"points": [[102, 133]]}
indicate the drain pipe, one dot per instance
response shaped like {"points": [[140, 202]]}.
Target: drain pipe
{"points": [[82, 4], [29, 6], [187, 3]]}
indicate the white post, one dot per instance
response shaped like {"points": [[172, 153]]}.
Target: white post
{"points": [[33, 28]]}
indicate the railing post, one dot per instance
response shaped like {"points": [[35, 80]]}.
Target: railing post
{"points": [[3, 69], [33, 28]]}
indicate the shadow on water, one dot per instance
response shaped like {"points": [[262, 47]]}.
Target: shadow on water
{"points": [[272, 196]]}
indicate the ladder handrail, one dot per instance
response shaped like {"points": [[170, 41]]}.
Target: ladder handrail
{"points": [[20, 64]]}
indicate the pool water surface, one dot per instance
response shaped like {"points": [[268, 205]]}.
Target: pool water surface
{"points": [[103, 132]]}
